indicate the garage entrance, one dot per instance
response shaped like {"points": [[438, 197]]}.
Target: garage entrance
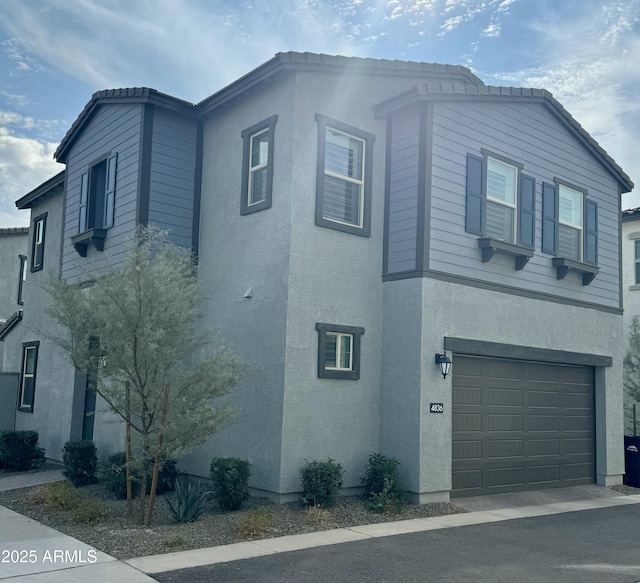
{"points": [[521, 426]]}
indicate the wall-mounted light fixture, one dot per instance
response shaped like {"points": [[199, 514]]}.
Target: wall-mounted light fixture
{"points": [[444, 362]]}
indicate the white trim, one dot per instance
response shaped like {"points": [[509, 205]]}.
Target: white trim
{"points": [[339, 339], [254, 169], [26, 375], [514, 206], [579, 228]]}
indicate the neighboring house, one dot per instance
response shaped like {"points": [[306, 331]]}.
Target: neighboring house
{"points": [[13, 258], [630, 285], [353, 218]]}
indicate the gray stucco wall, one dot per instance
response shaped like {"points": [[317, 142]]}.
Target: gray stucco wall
{"points": [[54, 377], [454, 310], [11, 247]]}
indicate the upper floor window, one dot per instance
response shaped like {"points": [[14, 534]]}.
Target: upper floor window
{"points": [[28, 376], [570, 223], [257, 166], [22, 277], [97, 195], [637, 262], [37, 246], [343, 188], [500, 200]]}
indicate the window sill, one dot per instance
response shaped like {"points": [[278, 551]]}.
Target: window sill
{"points": [[564, 266], [490, 246], [634, 287], [92, 236]]}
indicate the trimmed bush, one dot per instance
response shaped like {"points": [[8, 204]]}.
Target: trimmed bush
{"points": [[230, 478], [190, 500], [321, 482], [80, 460], [19, 451], [382, 488], [115, 474], [62, 496]]}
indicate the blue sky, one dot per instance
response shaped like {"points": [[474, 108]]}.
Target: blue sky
{"points": [[56, 54]]}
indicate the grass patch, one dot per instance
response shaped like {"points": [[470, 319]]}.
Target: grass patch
{"points": [[254, 524]]}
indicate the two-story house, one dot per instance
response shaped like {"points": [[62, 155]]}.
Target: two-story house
{"points": [[355, 221]]}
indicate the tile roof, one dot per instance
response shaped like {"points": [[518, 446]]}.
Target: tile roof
{"points": [[10, 324], [14, 230]]}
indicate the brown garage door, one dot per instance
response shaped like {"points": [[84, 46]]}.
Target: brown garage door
{"points": [[521, 426]]}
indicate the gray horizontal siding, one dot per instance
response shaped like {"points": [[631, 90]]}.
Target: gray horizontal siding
{"points": [[173, 163], [530, 134], [403, 193], [113, 128]]}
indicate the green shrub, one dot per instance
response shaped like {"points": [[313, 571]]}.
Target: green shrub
{"points": [[321, 482], [19, 450], [176, 543], [80, 460], [190, 500], [230, 481], [254, 524], [115, 475], [62, 496], [89, 511], [382, 488]]}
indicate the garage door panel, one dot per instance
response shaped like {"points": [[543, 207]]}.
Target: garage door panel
{"points": [[543, 399], [543, 447], [468, 396], [521, 426], [504, 397]]}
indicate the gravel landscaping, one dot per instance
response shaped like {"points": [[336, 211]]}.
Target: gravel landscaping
{"points": [[124, 539]]}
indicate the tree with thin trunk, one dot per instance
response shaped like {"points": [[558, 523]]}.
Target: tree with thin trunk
{"points": [[631, 370], [134, 331]]}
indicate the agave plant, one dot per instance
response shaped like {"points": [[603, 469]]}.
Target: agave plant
{"points": [[190, 500]]}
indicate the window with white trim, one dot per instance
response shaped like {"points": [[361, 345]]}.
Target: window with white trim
{"points": [[339, 351], [343, 189], [37, 247], [637, 261], [502, 201], [22, 278], [28, 376], [570, 223], [257, 166]]}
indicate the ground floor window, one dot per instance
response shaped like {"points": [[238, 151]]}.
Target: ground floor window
{"points": [[339, 351]]}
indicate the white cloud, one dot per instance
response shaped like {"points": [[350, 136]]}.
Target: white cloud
{"points": [[24, 164]]}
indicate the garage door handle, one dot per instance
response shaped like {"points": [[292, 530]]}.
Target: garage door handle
{"points": [[632, 448]]}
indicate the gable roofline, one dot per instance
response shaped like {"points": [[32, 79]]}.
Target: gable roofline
{"points": [[43, 190], [126, 95], [10, 324], [294, 61], [629, 215], [459, 92], [14, 231]]}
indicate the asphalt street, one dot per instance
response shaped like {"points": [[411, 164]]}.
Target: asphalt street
{"points": [[599, 546]]}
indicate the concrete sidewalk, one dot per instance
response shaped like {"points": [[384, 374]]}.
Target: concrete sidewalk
{"points": [[33, 553]]}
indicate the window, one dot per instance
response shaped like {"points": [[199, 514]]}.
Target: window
{"points": [[257, 166], [343, 189], [22, 277], [97, 195], [339, 351], [500, 201], [570, 229], [37, 247], [28, 376], [570, 223], [637, 262]]}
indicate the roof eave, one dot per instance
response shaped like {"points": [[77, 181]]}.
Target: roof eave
{"points": [[45, 188]]}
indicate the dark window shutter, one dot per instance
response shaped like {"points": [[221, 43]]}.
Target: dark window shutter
{"points": [[84, 194], [110, 191], [549, 218], [527, 211], [591, 233], [475, 195]]}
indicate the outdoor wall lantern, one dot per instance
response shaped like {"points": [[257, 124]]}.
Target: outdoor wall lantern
{"points": [[445, 364]]}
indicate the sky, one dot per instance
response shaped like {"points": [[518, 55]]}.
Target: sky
{"points": [[55, 55]]}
